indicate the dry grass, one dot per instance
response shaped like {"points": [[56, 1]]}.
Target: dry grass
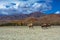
{"points": [[24, 33]]}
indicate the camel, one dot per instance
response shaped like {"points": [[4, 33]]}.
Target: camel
{"points": [[45, 25], [30, 25]]}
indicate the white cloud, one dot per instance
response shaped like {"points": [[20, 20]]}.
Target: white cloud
{"points": [[57, 12], [2, 7], [22, 4], [16, 6], [26, 6], [45, 7], [36, 5]]}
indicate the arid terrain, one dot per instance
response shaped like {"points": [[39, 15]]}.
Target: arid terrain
{"points": [[26, 33], [14, 27]]}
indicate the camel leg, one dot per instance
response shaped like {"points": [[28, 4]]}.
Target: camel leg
{"points": [[30, 26], [44, 27]]}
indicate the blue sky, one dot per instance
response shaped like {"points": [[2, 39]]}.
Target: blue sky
{"points": [[55, 6], [28, 6]]}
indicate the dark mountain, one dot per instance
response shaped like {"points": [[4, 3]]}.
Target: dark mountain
{"points": [[21, 16], [13, 17], [36, 14]]}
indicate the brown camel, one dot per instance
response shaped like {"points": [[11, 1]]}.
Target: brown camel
{"points": [[30, 25], [45, 25]]}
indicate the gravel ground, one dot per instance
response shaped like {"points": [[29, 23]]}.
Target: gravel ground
{"points": [[25, 33]]}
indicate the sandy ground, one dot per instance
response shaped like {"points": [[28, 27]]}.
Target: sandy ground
{"points": [[24, 33]]}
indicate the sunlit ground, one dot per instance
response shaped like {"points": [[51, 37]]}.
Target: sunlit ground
{"points": [[24, 33]]}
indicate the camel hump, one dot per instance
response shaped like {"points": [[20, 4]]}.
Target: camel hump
{"points": [[30, 24], [44, 24]]}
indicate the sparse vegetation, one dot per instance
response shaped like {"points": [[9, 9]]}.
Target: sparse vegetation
{"points": [[50, 19]]}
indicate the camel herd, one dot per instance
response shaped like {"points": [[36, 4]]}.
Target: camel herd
{"points": [[44, 25]]}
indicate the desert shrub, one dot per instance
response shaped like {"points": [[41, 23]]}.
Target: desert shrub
{"points": [[55, 23], [9, 24], [25, 24], [20, 24], [36, 24], [14, 24]]}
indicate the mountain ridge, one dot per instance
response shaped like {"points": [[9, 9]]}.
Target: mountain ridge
{"points": [[21, 16]]}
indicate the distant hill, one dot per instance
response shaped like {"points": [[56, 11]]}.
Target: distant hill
{"points": [[52, 18], [36, 14], [21, 16]]}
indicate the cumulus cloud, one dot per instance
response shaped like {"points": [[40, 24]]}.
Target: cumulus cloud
{"points": [[57, 12], [36, 5], [26, 6], [2, 7]]}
